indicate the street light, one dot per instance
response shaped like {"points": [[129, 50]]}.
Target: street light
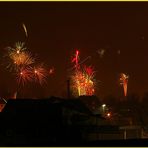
{"points": [[103, 107]]}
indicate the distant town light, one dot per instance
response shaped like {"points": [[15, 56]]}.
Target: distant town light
{"points": [[103, 105], [108, 114]]}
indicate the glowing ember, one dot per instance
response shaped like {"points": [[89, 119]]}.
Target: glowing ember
{"points": [[124, 82]]}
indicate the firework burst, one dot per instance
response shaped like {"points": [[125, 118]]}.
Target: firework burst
{"points": [[21, 64], [124, 81], [19, 57], [83, 82], [24, 75], [22, 59], [18, 47], [40, 74]]}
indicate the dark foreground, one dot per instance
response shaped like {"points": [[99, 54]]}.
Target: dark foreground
{"points": [[41, 123]]}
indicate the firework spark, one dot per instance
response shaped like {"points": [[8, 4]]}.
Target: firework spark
{"points": [[89, 80], [76, 59], [87, 58], [22, 59], [19, 57], [80, 63], [83, 82], [24, 75], [51, 71], [89, 71], [124, 82], [21, 63], [101, 52], [118, 51], [25, 29], [18, 47], [82, 78], [40, 74]]}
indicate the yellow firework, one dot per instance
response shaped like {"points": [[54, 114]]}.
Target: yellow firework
{"points": [[19, 57], [22, 59], [83, 83]]}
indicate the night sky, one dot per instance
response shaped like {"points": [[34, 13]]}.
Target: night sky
{"points": [[56, 29]]}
